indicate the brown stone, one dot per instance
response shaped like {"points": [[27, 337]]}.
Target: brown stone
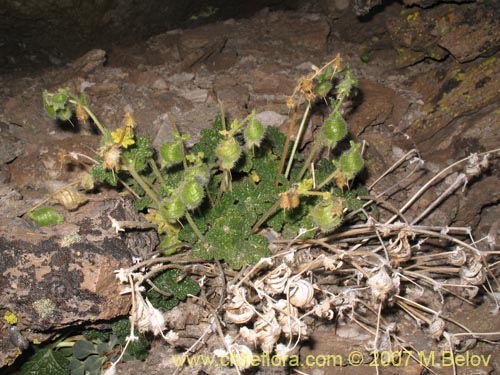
{"points": [[61, 276], [467, 31], [459, 93]]}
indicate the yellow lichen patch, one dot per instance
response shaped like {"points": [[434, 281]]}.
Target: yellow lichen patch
{"points": [[10, 317], [11, 360], [412, 16]]}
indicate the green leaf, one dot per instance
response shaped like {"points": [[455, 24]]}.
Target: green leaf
{"points": [[326, 75], [209, 140], [93, 364], [276, 139], [96, 335], [347, 84], [46, 362], [170, 244], [82, 349], [139, 153], [76, 367], [113, 341], [142, 203], [323, 169], [171, 281], [231, 220], [103, 347], [57, 104], [104, 175], [49, 109], [67, 352]]}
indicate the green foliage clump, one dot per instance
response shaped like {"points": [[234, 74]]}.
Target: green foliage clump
{"points": [[88, 358], [173, 282], [216, 197], [137, 349], [219, 194], [45, 362], [56, 104], [138, 154], [230, 235], [104, 175], [106, 342]]}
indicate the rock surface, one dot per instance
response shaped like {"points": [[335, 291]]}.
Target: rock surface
{"points": [[466, 31], [62, 276], [421, 86]]}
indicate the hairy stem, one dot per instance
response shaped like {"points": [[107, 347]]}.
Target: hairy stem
{"points": [[287, 144], [137, 177], [313, 152], [195, 228], [96, 121], [297, 140], [156, 171]]}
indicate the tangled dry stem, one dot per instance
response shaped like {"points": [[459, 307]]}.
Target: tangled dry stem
{"points": [[353, 274]]}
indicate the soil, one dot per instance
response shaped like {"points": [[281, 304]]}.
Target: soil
{"points": [[441, 101]]}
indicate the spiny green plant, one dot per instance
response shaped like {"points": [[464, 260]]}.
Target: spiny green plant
{"points": [[225, 187], [230, 185]]}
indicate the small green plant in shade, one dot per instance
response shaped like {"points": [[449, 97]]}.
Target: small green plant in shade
{"points": [[216, 204], [217, 197], [174, 282], [45, 362], [89, 358], [199, 186], [91, 354]]}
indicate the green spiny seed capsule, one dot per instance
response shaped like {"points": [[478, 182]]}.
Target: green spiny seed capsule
{"points": [[46, 216], [351, 161], [172, 209], [228, 152], [323, 88], [191, 194], [334, 129], [172, 152], [327, 214], [200, 173], [60, 97], [326, 75], [254, 132], [348, 83]]}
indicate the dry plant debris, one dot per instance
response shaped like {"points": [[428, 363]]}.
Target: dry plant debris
{"points": [[354, 274]]}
